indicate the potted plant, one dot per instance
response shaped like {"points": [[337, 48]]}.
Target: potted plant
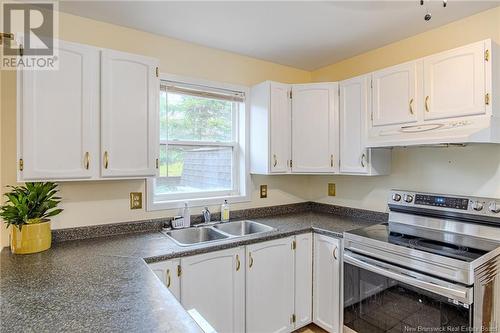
{"points": [[28, 209]]}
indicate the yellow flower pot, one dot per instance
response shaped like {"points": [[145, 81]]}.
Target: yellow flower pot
{"points": [[32, 238]]}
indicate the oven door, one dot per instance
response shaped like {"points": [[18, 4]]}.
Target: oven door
{"points": [[380, 297]]}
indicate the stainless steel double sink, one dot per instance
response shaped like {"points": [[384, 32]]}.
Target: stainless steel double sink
{"points": [[216, 232]]}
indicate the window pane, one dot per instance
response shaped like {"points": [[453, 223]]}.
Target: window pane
{"points": [[190, 169], [163, 115], [193, 118]]}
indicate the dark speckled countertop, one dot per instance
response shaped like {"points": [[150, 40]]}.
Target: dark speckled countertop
{"points": [[104, 284]]}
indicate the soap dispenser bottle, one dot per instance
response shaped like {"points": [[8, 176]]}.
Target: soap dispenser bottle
{"points": [[186, 214], [224, 212]]}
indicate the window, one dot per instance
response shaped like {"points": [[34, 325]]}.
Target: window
{"points": [[202, 145]]}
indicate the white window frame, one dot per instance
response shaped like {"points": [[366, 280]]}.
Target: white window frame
{"points": [[241, 189]]}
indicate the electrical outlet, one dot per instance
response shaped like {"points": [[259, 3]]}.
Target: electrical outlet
{"points": [[331, 189], [263, 191], [135, 200]]}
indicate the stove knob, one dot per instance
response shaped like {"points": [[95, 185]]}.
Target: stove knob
{"points": [[408, 198], [396, 197], [494, 207], [477, 206]]}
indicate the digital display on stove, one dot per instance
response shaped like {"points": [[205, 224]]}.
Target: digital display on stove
{"points": [[439, 201]]}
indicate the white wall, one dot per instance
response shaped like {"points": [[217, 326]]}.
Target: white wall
{"points": [[470, 170]]}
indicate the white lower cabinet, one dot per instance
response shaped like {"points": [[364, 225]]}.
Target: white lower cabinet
{"points": [[168, 272], [303, 279], [326, 289], [270, 286], [214, 285], [263, 287]]}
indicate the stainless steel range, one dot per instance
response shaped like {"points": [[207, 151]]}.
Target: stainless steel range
{"points": [[432, 268]]}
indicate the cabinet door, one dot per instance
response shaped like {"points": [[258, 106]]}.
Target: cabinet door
{"points": [[454, 83], [354, 97], [279, 127], [214, 285], [326, 309], [168, 273], [58, 117], [270, 286], [395, 94], [303, 279], [129, 115], [315, 128]]}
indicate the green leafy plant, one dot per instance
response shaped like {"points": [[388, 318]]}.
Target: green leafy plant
{"points": [[31, 203]]}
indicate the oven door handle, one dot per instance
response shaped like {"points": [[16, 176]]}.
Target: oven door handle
{"points": [[459, 293]]}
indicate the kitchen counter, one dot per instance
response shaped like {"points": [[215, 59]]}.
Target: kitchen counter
{"points": [[104, 284]]}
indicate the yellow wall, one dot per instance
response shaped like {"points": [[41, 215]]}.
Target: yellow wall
{"points": [[472, 170], [87, 203]]}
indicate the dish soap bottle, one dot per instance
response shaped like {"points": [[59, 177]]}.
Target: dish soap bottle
{"points": [[224, 211], [186, 214]]}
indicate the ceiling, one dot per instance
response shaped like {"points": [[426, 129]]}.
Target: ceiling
{"points": [[306, 35]]}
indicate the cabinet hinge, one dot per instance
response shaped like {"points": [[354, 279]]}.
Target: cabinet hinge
{"points": [[291, 163], [293, 319], [371, 116], [338, 90], [21, 164], [179, 270], [371, 83], [487, 99], [487, 55], [290, 94], [294, 245], [21, 50], [157, 72], [157, 163]]}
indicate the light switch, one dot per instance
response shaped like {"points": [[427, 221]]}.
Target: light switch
{"points": [[135, 200]]}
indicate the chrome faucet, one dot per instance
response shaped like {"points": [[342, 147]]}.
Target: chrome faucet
{"points": [[206, 215]]}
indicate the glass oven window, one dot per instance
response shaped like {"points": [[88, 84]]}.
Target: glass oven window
{"points": [[374, 303]]}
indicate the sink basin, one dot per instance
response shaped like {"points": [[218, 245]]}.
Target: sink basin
{"points": [[192, 236], [242, 228]]}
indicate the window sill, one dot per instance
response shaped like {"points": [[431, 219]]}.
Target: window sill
{"points": [[195, 202]]}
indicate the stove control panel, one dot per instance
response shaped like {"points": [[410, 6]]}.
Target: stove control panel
{"points": [[442, 201], [449, 206]]}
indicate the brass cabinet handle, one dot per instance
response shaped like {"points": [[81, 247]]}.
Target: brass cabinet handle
{"points": [[238, 264], [411, 106], [363, 157], [335, 253], [275, 160], [427, 103], [106, 160], [169, 280], [87, 160], [331, 160], [250, 264]]}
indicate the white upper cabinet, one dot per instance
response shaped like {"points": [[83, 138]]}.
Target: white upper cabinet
{"points": [[443, 98], [129, 115], [395, 99], [95, 116], [58, 117], [355, 107], [270, 128], [214, 285], [454, 83], [270, 286], [315, 124]]}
